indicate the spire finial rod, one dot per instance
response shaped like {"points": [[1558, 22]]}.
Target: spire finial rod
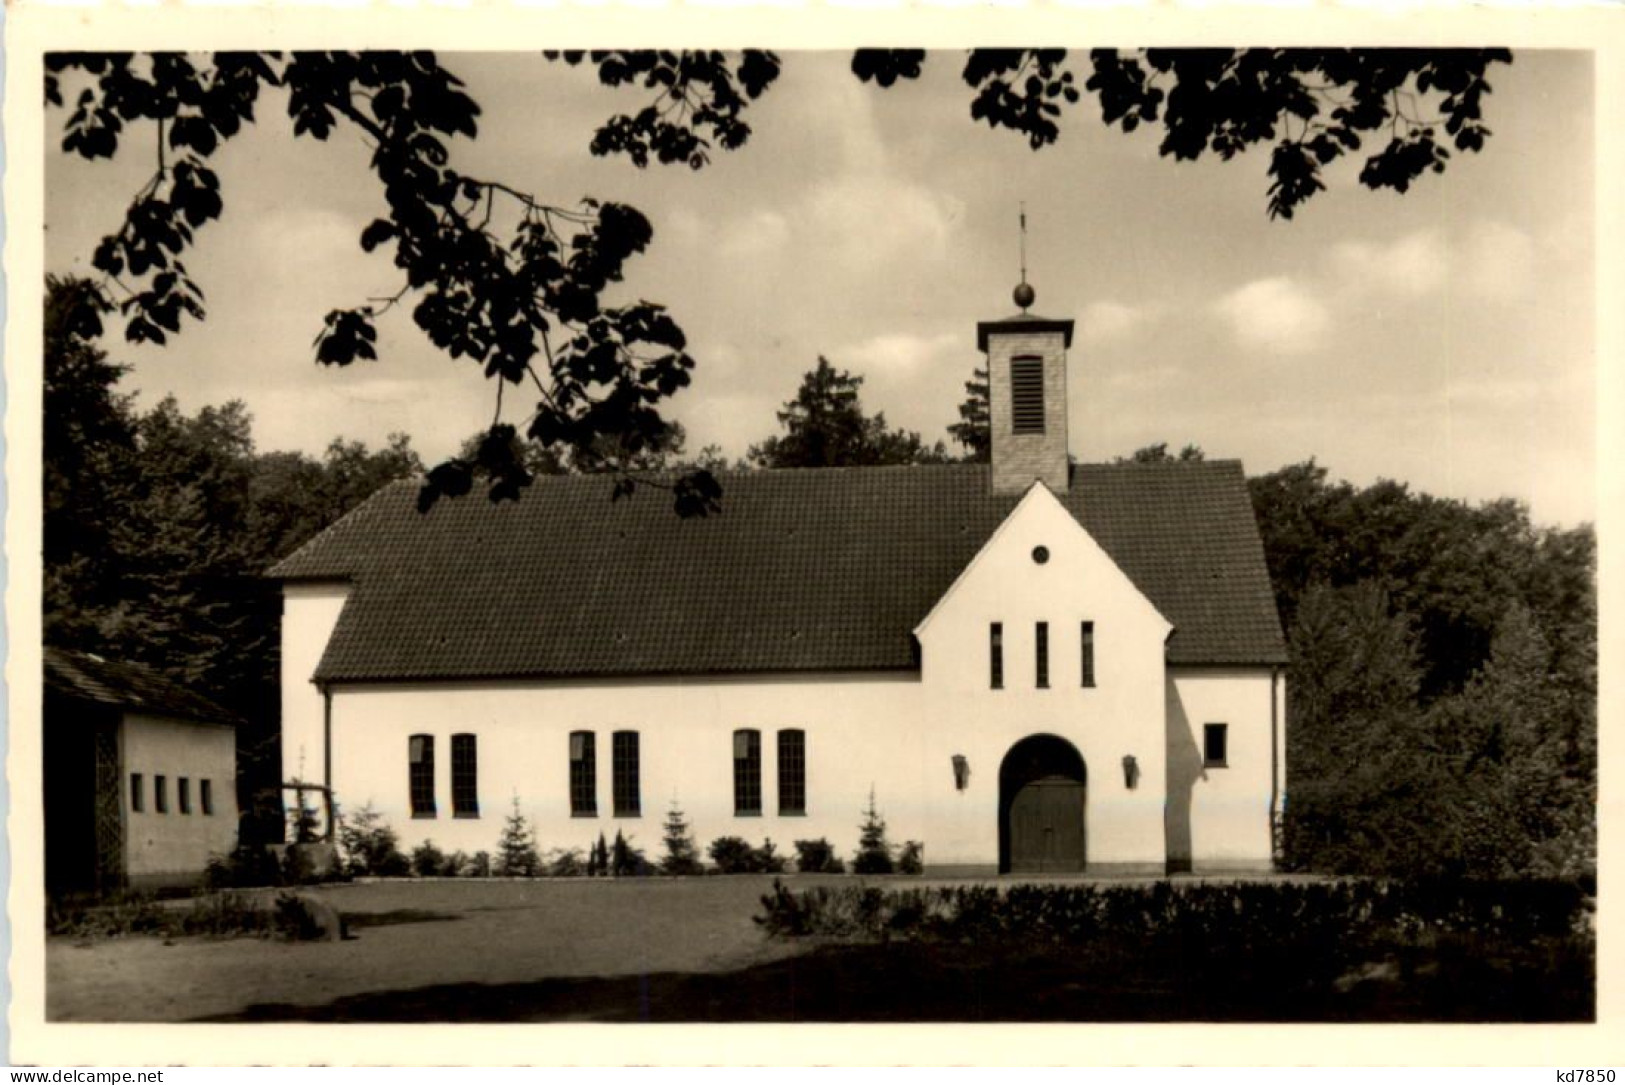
{"points": [[1023, 240], [1024, 294]]}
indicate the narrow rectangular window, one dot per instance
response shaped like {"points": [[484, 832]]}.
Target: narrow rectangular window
{"points": [[624, 774], [1215, 745], [420, 775], [160, 795], [792, 772], [1088, 654], [465, 776], [205, 797], [1026, 395], [183, 795], [138, 801], [583, 774], [995, 650], [747, 773], [1041, 644]]}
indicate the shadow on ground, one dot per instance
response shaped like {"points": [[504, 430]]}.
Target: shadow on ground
{"points": [[919, 983]]}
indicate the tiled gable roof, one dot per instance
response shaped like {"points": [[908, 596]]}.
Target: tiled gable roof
{"points": [[81, 676], [803, 570]]}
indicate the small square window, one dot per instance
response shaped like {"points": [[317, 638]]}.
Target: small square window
{"points": [[1215, 745]]}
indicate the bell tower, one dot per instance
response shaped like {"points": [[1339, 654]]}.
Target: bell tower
{"points": [[1026, 376]]}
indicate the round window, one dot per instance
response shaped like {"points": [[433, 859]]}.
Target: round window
{"points": [[1041, 554]]}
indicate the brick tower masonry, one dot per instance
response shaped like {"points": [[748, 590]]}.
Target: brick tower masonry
{"points": [[1026, 367]]}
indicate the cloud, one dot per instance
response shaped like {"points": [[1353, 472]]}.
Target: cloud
{"points": [[757, 236], [1111, 321], [1275, 314], [898, 355], [1410, 266]]}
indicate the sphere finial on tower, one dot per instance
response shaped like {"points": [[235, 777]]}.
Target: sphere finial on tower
{"points": [[1024, 294]]}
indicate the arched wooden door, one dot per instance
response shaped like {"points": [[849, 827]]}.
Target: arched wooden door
{"points": [[1043, 796]]}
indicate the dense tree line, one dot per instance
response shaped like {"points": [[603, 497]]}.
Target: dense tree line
{"points": [[159, 526]]}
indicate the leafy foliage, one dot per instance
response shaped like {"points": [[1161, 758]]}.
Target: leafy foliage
{"points": [[825, 426], [818, 857], [522, 302], [974, 430], [428, 861], [625, 860]]}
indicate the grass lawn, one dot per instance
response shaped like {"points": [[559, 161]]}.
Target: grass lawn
{"points": [[687, 950]]}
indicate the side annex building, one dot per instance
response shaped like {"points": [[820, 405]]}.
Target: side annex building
{"points": [[1035, 665]]}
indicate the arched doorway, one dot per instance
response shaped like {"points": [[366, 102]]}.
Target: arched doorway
{"points": [[1042, 796]]}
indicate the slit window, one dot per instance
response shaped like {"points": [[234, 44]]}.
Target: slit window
{"points": [[465, 776], [1026, 395], [583, 774], [747, 773], [792, 772], [995, 652], [160, 795], [1041, 651], [420, 774], [1215, 745], [624, 774], [138, 801], [205, 797], [183, 795], [1088, 653]]}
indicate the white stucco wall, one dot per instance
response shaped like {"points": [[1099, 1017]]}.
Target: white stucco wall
{"points": [[309, 614], [177, 844], [859, 731], [1123, 714], [1219, 818]]}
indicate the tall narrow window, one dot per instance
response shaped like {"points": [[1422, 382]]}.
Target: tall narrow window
{"points": [[747, 772], [1088, 642], [792, 772], [205, 797], [183, 795], [995, 655], [1041, 653], [1215, 745], [624, 774], [420, 774], [138, 801], [583, 774], [160, 795], [1026, 395], [465, 776]]}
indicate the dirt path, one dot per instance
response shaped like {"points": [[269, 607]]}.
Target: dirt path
{"points": [[412, 935]]}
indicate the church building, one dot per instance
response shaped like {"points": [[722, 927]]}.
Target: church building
{"points": [[1033, 665]]}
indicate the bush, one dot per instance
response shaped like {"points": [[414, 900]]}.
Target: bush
{"points": [[369, 846], [566, 863], [479, 866], [767, 860], [627, 861], [429, 861], [216, 915], [457, 865], [732, 855], [247, 866], [818, 857], [911, 860]]}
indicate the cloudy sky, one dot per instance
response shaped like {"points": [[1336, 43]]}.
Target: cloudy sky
{"points": [[1444, 337]]}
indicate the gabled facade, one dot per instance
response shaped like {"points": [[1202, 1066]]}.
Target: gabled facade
{"points": [[140, 777], [1033, 665]]}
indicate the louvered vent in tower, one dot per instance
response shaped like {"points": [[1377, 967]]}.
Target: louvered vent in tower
{"points": [[1026, 395]]}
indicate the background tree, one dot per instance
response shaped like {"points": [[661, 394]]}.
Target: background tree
{"points": [[516, 855], [974, 430], [523, 301], [682, 855], [824, 426]]}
